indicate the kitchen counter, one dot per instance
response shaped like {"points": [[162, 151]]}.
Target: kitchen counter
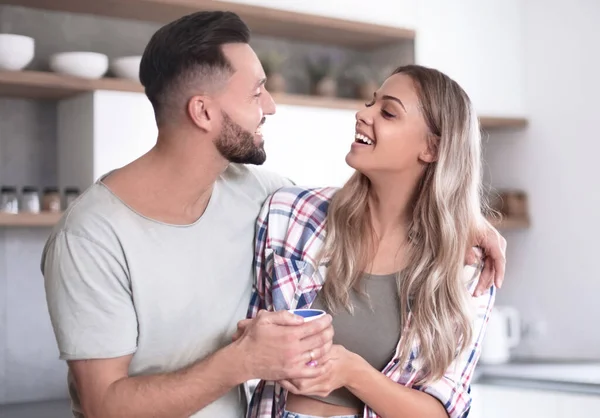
{"points": [[570, 377], [574, 377]]}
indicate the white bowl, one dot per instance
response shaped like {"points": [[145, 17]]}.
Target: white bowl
{"points": [[90, 65], [127, 67], [16, 51]]}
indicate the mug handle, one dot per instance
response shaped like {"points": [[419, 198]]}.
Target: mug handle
{"points": [[514, 325]]}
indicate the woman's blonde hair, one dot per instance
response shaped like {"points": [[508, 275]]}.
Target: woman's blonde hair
{"points": [[446, 217]]}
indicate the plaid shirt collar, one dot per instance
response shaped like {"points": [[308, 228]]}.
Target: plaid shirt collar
{"points": [[289, 237]]}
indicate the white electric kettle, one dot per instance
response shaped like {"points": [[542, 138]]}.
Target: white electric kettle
{"points": [[503, 333]]}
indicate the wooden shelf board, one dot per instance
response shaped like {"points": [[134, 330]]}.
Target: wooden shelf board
{"points": [[511, 223], [44, 219], [490, 122], [353, 104], [47, 85], [316, 101], [261, 20]]}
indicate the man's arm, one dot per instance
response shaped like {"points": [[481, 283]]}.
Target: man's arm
{"points": [[283, 341], [95, 324], [106, 390]]}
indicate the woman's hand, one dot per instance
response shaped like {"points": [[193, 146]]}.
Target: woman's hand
{"points": [[338, 368], [494, 248]]}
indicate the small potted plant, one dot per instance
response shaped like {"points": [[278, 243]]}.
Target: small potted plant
{"points": [[321, 73], [272, 63], [364, 80]]}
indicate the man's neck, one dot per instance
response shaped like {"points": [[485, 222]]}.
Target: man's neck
{"points": [[171, 183]]}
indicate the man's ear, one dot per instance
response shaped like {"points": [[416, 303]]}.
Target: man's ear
{"points": [[200, 112], [430, 154]]}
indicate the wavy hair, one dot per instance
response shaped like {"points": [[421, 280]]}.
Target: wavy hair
{"points": [[446, 217]]}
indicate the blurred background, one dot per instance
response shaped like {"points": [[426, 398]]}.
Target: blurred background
{"points": [[71, 109]]}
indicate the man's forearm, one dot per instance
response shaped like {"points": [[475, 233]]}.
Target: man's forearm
{"points": [[177, 394]]}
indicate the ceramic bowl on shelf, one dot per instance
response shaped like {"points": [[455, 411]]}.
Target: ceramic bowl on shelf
{"points": [[16, 51], [127, 67], [90, 65]]}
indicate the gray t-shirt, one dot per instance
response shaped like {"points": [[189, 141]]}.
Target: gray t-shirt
{"points": [[119, 283], [372, 331]]}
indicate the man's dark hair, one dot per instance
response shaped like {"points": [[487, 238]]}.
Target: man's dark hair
{"points": [[186, 51]]}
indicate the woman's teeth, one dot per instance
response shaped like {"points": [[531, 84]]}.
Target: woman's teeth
{"points": [[363, 139]]}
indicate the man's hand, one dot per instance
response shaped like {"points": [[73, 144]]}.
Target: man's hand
{"points": [[279, 345], [494, 257], [337, 367]]}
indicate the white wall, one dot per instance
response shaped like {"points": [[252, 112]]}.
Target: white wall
{"points": [[309, 145], [479, 44], [399, 13], [553, 273], [102, 131]]}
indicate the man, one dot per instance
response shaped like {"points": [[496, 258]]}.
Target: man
{"points": [[149, 272]]}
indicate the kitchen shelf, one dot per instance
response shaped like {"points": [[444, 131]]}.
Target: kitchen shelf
{"points": [[511, 223], [490, 122], [43, 219], [47, 85], [261, 20]]}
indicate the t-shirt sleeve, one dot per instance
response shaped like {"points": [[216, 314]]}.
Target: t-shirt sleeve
{"points": [[89, 298]]}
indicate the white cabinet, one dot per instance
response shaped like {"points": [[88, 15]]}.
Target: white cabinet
{"points": [[579, 406], [491, 401], [397, 13], [480, 45], [101, 131], [502, 402], [309, 145]]}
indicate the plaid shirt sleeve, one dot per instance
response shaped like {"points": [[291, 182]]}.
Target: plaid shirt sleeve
{"points": [[261, 294], [453, 390]]}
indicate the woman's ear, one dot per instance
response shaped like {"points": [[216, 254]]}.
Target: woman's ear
{"points": [[430, 153]]}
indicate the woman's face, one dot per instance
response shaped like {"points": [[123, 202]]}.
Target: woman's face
{"points": [[391, 134]]}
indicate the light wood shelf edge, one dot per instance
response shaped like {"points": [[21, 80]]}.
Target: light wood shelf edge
{"points": [[511, 223], [487, 122], [47, 85], [43, 219], [262, 20], [496, 122]]}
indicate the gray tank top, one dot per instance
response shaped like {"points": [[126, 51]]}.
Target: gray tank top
{"points": [[372, 331]]}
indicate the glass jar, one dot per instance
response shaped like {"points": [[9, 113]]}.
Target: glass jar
{"points": [[71, 193], [51, 200], [30, 200], [9, 202]]}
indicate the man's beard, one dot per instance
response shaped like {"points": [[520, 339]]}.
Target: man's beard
{"points": [[237, 145]]}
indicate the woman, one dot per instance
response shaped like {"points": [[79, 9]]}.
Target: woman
{"points": [[385, 256]]}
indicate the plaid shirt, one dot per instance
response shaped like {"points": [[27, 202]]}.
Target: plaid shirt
{"points": [[290, 235]]}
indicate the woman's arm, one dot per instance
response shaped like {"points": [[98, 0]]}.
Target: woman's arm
{"points": [[446, 397], [260, 298], [388, 398]]}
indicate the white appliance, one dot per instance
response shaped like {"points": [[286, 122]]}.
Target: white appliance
{"points": [[503, 334]]}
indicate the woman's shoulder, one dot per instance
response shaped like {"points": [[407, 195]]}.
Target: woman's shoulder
{"points": [[301, 200]]}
